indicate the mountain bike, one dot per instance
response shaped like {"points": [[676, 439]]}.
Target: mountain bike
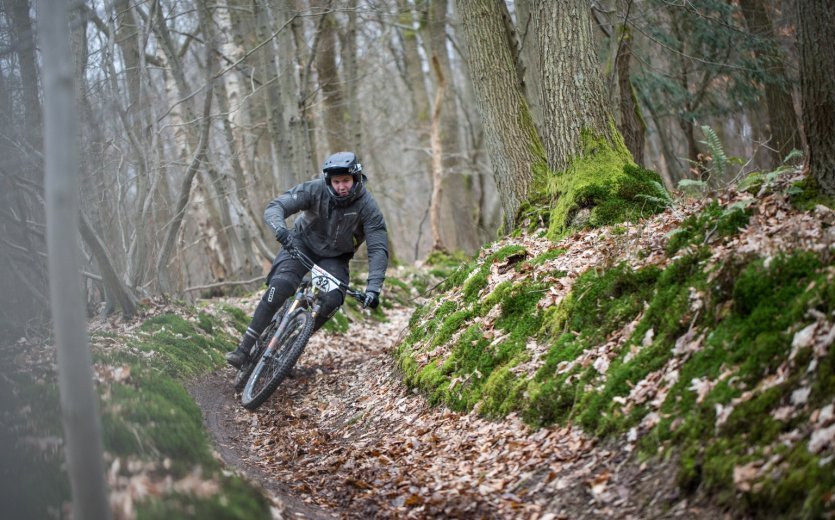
{"points": [[281, 344]]}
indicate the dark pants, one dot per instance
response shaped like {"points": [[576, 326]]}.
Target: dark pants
{"points": [[285, 276]]}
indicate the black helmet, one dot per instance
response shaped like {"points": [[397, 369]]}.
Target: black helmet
{"points": [[343, 163]]}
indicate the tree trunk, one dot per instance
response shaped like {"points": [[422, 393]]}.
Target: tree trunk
{"points": [[237, 108], [18, 11], [188, 140], [437, 160], [82, 429], [303, 142], [274, 100], [509, 129], [185, 187], [572, 87], [632, 126], [459, 206], [816, 25], [785, 134], [348, 46], [530, 52], [123, 297], [333, 98]]}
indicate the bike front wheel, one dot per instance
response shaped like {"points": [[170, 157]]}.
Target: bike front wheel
{"points": [[276, 363], [258, 348]]}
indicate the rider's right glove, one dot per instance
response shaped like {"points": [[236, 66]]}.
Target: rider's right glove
{"points": [[372, 299], [285, 236]]}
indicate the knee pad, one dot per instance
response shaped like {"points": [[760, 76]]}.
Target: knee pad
{"points": [[278, 291], [331, 302]]}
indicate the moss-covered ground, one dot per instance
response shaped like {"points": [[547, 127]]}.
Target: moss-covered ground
{"points": [[700, 359], [149, 421]]}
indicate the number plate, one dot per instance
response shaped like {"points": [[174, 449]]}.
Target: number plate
{"points": [[323, 280]]}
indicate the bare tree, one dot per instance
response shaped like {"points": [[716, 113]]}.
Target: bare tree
{"points": [[75, 375], [199, 157]]}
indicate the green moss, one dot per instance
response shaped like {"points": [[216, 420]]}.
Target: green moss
{"points": [[712, 223], [754, 338], [602, 186], [240, 320], [337, 324], [236, 500], [547, 255], [466, 375], [446, 259], [185, 349], [739, 316], [807, 193], [147, 415], [204, 321]]}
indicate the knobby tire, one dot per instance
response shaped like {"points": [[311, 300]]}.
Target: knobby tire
{"points": [[258, 349], [269, 373]]}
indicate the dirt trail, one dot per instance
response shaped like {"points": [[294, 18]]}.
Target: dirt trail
{"points": [[344, 438]]}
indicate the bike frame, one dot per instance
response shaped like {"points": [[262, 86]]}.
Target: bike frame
{"points": [[308, 292]]}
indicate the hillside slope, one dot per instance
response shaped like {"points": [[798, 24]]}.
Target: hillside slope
{"points": [[702, 334]]}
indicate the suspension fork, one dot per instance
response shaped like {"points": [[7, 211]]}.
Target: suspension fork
{"points": [[284, 320]]}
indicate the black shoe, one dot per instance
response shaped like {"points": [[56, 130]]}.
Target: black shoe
{"points": [[237, 358]]}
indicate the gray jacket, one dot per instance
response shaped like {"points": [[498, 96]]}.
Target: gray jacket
{"points": [[332, 230]]}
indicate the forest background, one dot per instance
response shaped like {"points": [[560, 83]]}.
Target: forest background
{"points": [[194, 115]]}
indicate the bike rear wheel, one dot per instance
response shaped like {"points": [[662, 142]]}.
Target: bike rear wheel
{"points": [[274, 365]]}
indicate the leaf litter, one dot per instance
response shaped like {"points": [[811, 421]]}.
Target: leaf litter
{"points": [[347, 435]]}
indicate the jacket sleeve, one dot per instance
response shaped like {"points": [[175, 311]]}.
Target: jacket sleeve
{"points": [[376, 239], [289, 203]]}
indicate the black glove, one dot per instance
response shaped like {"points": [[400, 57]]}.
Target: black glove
{"points": [[285, 236], [372, 299]]}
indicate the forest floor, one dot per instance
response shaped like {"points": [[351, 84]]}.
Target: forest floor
{"points": [[345, 438], [349, 435]]}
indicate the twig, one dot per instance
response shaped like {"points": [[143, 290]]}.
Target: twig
{"points": [[222, 284]]}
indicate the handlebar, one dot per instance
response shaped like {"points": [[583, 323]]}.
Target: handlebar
{"points": [[309, 264]]}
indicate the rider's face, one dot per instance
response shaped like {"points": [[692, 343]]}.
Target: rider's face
{"points": [[342, 184]]}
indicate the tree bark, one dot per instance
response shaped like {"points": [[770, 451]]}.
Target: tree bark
{"points": [[531, 54], [188, 178], [509, 129], [123, 297], [274, 100], [437, 160], [333, 97], [632, 126], [351, 70], [816, 25], [303, 143], [572, 87], [459, 206], [785, 133], [79, 411], [18, 11]]}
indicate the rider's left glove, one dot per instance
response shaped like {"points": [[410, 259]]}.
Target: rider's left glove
{"points": [[372, 299]]}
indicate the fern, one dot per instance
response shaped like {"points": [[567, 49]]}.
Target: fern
{"points": [[714, 147], [795, 155]]}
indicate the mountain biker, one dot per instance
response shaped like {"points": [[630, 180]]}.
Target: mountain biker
{"points": [[336, 214]]}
